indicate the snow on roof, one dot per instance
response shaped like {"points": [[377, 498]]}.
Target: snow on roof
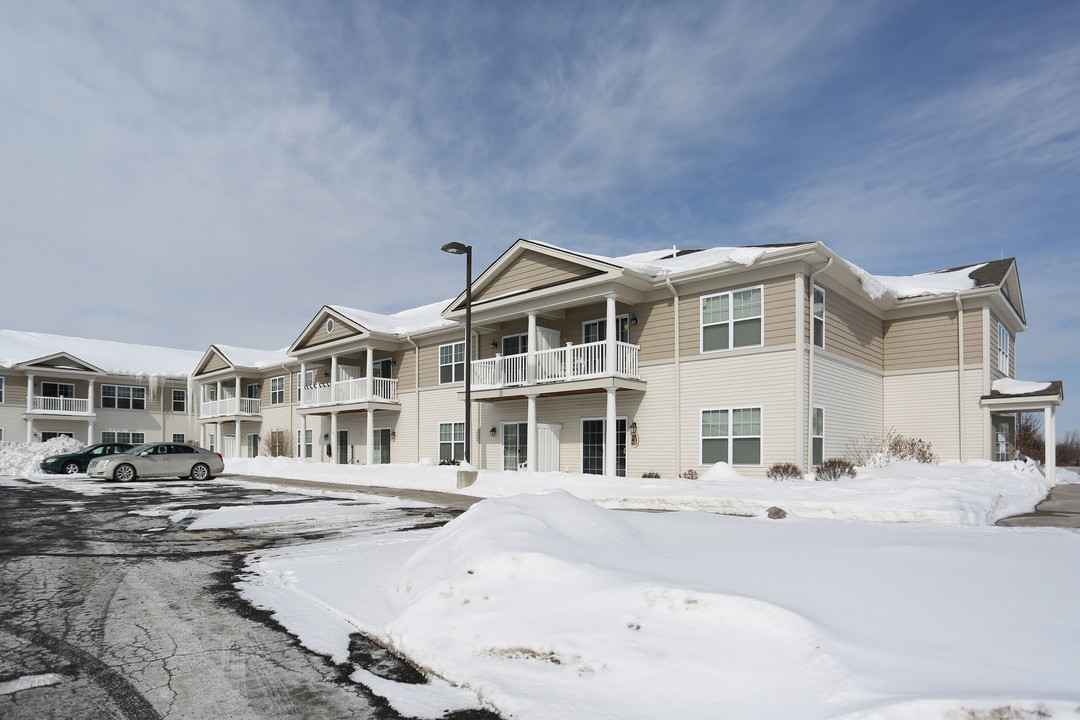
{"points": [[669, 261], [425, 317], [250, 357], [946, 282], [116, 358], [1008, 386]]}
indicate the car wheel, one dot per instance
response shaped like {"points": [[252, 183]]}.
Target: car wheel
{"points": [[124, 473], [200, 472], [71, 468]]}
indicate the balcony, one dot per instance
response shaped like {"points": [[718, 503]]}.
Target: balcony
{"points": [[559, 365], [61, 405], [348, 391], [230, 407]]}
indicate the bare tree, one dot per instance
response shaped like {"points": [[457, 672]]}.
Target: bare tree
{"points": [[1068, 448], [1029, 436], [275, 443]]}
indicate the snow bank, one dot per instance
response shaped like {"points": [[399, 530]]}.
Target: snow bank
{"points": [[25, 458]]}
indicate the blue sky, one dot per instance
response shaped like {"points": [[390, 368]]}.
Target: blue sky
{"points": [[191, 173]]}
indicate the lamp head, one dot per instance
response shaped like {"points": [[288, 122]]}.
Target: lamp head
{"points": [[456, 248]]}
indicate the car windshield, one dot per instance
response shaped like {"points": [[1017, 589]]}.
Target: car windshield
{"points": [[138, 449]]}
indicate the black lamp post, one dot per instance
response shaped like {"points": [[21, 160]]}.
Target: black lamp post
{"points": [[456, 248]]}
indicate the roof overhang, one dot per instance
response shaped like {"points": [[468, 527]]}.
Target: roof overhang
{"points": [[1021, 402]]}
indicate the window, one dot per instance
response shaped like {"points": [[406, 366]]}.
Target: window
{"points": [[179, 401], [1, 434], [277, 390], [179, 438], [451, 441], [308, 381], [57, 390], [382, 368], [451, 363], [817, 453], [123, 436], [515, 344], [49, 435], [819, 317], [253, 444], [210, 441], [209, 393], [253, 390], [123, 397], [1, 393], [596, 330], [731, 320], [1003, 349], [732, 436], [306, 450]]}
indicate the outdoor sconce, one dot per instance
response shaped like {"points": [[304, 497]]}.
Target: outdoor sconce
{"points": [[633, 427], [633, 434], [393, 362], [326, 373], [633, 320], [326, 436], [393, 435], [493, 432], [494, 344]]}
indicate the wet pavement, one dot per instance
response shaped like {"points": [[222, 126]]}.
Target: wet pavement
{"points": [[1061, 508]]}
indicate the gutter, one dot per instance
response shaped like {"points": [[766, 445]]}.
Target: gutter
{"points": [[678, 378], [810, 367]]}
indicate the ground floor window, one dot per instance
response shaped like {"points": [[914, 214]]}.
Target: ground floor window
{"points": [[253, 444], [179, 437], [731, 435], [1004, 427], [211, 442], [818, 450], [593, 437], [451, 441], [123, 436], [49, 435], [381, 451], [304, 449]]}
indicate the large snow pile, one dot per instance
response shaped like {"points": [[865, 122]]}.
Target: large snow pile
{"points": [[546, 606], [21, 458]]}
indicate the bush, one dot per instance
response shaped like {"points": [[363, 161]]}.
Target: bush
{"points": [[275, 443], [651, 475], [690, 474], [449, 462], [834, 469], [879, 451], [785, 471]]}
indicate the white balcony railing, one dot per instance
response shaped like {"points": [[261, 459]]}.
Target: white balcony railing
{"points": [[230, 406], [62, 405], [573, 362], [374, 389]]}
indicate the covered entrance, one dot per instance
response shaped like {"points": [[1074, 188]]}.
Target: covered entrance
{"points": [[1009, 397]]}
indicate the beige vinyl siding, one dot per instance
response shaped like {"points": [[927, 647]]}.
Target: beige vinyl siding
{"points": [[15, 391], [973, 346], [995, 372], [655, 330], [852, 398], [429, 364], [213, 364], [532, 270], [654, 412], [319, 336], [778, 306], [975, 434], [436, 406], [924, 405], [922, 342], [405, 370], [851, 331]]}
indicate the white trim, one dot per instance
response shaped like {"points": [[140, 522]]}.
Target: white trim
{"points": [[730, 437], [1003, 349], [116, 397], [730, 322], [172, 398], [814, 318], [280, 392], [453, 362], [453, 439]]}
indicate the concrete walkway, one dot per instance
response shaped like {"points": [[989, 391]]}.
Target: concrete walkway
{"points": [[1061, 508], [452, 500]]}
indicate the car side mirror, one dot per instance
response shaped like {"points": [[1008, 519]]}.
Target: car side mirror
{"points": [[144, 453]]}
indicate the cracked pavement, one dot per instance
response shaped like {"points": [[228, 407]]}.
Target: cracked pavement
{"points": [[139, 620]]}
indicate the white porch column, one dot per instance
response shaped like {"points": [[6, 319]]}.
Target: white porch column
{"points": [[612, 334], [218, 405], [30, 429], [239, 450], [333, 380], [531, 456], [333, 434], [300, 383], [236, 400], [29, 399], [369, 440], [90, 397], [1049, 418], [303, 437], [530, 354], [369, 370], [90, 433], [610, 435], [219, 441]]}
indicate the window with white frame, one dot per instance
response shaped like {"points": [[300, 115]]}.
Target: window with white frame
{"points": [[452, 363], [179, 401], [308, 444], [817, 452], [1, 434], [819, 316], [1, 389], [731, 320], [1003, 349], [123, 397], [731, 435], [179, 437], [123, 436], [451, 441], [596, 330], [515, 344], [57, 390], [277, 390]]}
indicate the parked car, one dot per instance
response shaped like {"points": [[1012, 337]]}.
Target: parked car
{"points": [[163, 459], [77, 462]]}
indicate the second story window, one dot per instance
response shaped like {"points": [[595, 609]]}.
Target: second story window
{"points": [[277, 390], [515, 344], [596, 330], [819, 317], [452, 363], [1003, 349], [57, 390], [1, 389], [179, 400], [731, 320], [123, 397]]}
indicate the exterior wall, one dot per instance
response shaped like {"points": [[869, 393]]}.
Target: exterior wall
{"points": [[923, 404], [927, 341], [995, 372], [318, 335], [973, 349], [214, 364], [532, 270], [852, 332], [778, 309], [13, 407], [852, 397]]}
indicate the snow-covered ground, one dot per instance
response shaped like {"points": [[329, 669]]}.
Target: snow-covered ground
{"points": [[541, 604]]}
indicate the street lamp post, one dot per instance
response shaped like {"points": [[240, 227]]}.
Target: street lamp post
{"points": [[456, 248]]}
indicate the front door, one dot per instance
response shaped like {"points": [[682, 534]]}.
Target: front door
{"points": [[341, 453], [515, 438], [592, 446], [1004, 428], [228, 446], [381, 451]]}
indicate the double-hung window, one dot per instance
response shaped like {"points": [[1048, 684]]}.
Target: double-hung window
{"points": [[451, 441], [452, 363], [1003, 349], [731, 320], [123, 397], [1, 389], [731, 435], [817, 453], [179, 401], [819, 317], [515, 344], [277, 390], [123, 436]]}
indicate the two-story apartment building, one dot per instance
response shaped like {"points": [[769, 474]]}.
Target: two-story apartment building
{"points": [[92, 390], [655, 362]]}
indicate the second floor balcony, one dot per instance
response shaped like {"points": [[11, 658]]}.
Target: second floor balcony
{"points": [[60, 405], [557, 365], [349, 391], [230, 407]]}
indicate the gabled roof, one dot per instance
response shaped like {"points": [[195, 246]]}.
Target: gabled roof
{"points": [[222, 357], [352, 322], [114, 358], [60, 361]]}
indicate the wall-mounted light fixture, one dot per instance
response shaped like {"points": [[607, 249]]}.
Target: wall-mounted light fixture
{"points": [[393, 435], [633, 320], [494, 344], [326, 373], [493, 432], [326, 436], [634, 439], [633, 427]]}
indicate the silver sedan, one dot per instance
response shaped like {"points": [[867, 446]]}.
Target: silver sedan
{"points": [[158, 460]]}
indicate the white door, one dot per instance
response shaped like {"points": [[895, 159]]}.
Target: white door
{"points": [[228, 446], [547, 447], [547, 339]]}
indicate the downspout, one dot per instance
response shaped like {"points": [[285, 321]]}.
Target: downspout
{"points": [[678, 380], [416, 390], [960, 372], [810, 367]]}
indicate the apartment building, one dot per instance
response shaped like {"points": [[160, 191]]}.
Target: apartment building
{"points": [[92, 390], [662, 362]]}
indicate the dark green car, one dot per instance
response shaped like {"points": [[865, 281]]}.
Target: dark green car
{"points": [[77, 462]]}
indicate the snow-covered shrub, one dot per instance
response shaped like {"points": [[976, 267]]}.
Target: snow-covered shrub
{"points": [[690, 474], [834, 469], [784, 471], [880, 450], [651, 475]]}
